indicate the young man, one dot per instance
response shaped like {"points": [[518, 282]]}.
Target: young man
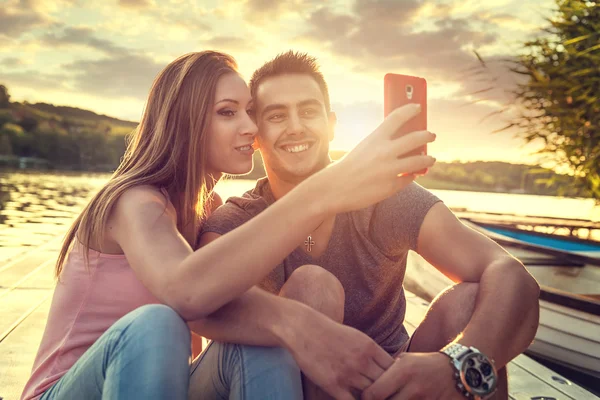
{"points": [[485, 320]]}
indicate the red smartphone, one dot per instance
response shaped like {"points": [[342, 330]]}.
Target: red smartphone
{"points": [[399, 90]]}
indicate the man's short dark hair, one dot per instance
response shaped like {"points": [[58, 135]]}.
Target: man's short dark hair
{"points": [[291, 62]]}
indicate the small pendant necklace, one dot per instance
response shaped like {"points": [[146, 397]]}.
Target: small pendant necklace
{"points": [[309, 243]]}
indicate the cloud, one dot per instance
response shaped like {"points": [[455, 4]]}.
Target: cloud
{"points": [[35, 80], [189, 15], [135, 4], [378, 37], [388, 12], [265, 11], [16, 19], [82, 36], [12, 62], [504, 21], [21, 16], [231, 43], [120, 76]]}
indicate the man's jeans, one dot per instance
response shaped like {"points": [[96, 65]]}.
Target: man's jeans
{"points": [[231, 371], [145, 355]]}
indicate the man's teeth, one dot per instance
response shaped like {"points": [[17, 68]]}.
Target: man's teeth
{"points": [[244, 148], [297, 148]]}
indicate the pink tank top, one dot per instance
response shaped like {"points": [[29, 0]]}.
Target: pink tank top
{"points": [[86, 302]]}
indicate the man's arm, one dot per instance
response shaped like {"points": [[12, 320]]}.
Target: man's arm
{"points": [[503, 322], [506, 312], [333, 356]]}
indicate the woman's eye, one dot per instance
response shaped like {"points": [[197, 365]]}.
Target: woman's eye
{"points": [[250, 112], [227, 113]]}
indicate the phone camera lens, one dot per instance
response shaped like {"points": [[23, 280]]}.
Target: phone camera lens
{"points": [[409, 91]]}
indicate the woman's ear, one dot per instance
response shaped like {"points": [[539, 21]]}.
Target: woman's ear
{"points": [[332, 122], [255, 145]]}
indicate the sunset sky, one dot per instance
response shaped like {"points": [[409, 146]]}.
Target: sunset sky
{"points": [[103, 55]]}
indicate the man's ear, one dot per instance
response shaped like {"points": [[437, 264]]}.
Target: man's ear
{"points": [[332, 124]]}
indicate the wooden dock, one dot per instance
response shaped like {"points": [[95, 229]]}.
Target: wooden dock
{"points": [[26, 284]]}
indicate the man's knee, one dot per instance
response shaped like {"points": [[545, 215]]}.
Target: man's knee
{"points": [[447, 317], [318, 288], [455, 306]]}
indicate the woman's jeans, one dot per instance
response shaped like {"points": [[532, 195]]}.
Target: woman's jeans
{"points": [[145, 355]]}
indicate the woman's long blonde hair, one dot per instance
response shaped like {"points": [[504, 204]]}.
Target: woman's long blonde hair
{"points": [[167, 150]]}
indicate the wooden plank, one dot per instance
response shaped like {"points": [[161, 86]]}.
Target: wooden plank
{"points": [[10, 284], [15, 303], [552, 378], [523, 384], [29, 257], [18, 350]]}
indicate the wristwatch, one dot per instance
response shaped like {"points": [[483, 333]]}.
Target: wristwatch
{"points": [[475, 374]]}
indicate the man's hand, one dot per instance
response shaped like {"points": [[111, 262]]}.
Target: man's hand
{"points": [[425, 376], [337, 358]]}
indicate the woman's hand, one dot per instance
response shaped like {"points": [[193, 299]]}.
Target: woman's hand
{"points": [[379, 166]]}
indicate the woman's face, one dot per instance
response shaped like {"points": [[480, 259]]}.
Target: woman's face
{"points": [[232, 130]]}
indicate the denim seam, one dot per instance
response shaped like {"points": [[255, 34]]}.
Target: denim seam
{"points": [[242, 364]]}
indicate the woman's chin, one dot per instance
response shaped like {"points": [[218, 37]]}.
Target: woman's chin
{"points": [[239, 170]]}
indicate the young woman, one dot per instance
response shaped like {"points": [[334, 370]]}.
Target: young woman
{"points": [[128, 277]]}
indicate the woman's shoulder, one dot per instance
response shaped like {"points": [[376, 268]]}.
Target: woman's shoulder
{"points": [[140, 194], [141, 200]]}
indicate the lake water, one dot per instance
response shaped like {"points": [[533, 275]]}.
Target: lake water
{"points": [[36, 206]]}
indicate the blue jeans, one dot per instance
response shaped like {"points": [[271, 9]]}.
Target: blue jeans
{"points": [[146, 355], [232, 371]]}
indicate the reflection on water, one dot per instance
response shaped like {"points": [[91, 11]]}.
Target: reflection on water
{"points": [[35, 207]]}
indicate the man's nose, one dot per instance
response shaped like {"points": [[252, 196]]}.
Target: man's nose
{"points": [[295, 126]]}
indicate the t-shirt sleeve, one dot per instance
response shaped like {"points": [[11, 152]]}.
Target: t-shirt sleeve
{"points": [[225, 218], [396, 221]]}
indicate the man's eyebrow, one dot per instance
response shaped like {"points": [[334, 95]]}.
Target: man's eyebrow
{"points": [[272, 107], [309, 102], [303, 103]]}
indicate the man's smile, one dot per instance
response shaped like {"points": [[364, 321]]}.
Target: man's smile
{"points": [[297, 147]]}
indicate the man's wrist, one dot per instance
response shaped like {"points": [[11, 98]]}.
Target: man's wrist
{"points": [[475, 374]]}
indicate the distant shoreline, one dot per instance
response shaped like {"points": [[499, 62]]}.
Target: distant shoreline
{"points": [[425, 181]]}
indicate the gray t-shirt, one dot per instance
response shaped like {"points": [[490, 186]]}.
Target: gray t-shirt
{"points": [[366, 252]]}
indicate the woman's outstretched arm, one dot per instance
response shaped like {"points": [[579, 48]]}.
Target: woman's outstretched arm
{"points": [[198, 283]]}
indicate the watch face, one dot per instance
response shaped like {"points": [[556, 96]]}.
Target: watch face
{"points": [[473, 377], [478, 375]]}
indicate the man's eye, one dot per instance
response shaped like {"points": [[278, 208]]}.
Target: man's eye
{"points": [[227, 113], [276, 117], [309, 112]]}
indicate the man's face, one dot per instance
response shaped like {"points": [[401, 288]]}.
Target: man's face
{"points": [[294, 127]]}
